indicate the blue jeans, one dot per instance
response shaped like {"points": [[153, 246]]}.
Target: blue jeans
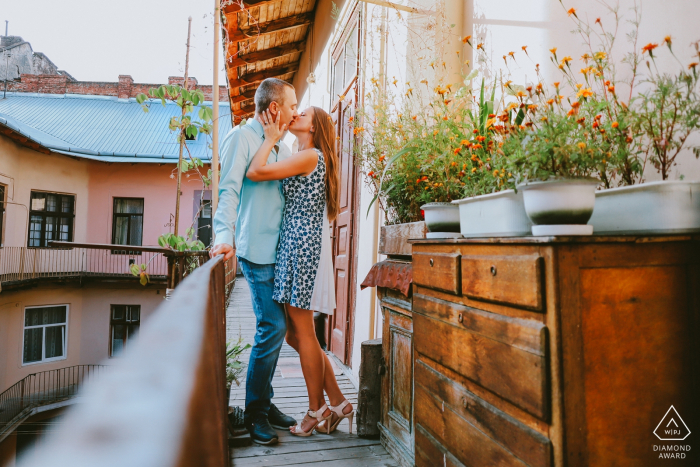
{"points": [[271, 325]]}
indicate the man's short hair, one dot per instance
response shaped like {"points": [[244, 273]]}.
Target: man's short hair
{"points": [[271, 89]]}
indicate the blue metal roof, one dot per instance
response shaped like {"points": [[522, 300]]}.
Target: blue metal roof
{"points": [[102, 127]]}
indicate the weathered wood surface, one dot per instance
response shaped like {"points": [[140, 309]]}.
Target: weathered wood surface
{"points": [[572, 359], [513, 280], [337, 449], [438, 271], [369, 400], [394, 238]]}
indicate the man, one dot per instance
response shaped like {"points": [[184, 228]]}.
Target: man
{"points": [[255, 209]]}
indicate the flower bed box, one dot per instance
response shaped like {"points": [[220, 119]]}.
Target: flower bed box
{"points": [[394, 238], [655, 207], [499, 214]]}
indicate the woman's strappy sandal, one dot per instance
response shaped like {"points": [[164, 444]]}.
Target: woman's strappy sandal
{"points": [[338, 411], [318, 415]]}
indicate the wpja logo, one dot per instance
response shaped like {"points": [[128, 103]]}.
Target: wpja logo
{"points": [[672, 428]]}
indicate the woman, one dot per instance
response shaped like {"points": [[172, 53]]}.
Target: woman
{"points": [[304, 279]]}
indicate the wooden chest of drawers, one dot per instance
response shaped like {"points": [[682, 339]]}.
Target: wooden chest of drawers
{"points": [[553, 351]]}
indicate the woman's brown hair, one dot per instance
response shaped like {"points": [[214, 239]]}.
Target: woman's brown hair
{"points": [[324, 139]]}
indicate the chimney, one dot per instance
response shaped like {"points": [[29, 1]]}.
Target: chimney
{"points": [[124, 90]]}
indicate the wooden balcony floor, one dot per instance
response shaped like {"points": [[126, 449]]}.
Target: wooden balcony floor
{"points": [[337, 449]]}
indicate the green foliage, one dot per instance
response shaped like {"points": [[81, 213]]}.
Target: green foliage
{"points": [[335, 12], [140, 272], [179, 243], [234, 366]]}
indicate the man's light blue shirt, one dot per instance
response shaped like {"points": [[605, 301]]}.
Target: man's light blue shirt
{"points": [[254, 208]]}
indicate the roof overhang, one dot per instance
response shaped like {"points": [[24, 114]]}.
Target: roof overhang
{"points": [[263, 39]]}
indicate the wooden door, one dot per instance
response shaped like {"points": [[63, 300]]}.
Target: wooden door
{"points": [[343, 251], [344, 97]]}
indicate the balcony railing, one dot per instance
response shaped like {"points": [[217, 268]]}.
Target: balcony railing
{"points": [[40, 389], [70, 261], [164, 401]]}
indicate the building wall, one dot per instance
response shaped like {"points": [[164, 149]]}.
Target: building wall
{"points": [[22, 59], [88, 324]]}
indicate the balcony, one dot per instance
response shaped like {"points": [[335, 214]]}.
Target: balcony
{"points": [[66, 262]]}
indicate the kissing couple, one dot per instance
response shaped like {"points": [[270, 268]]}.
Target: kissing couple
{"points": [[278, 206]]}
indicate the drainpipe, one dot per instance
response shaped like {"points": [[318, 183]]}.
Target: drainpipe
{"points": [[376, 218]]}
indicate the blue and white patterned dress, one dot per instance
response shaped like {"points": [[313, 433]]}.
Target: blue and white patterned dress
{"points": [[304, 269]]}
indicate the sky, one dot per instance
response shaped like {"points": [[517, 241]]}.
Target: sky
{"points": [[98, 40]]}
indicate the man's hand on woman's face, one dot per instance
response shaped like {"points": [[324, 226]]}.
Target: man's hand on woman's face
{"points": [[272, 125]]}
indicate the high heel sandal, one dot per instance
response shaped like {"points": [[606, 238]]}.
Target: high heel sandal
{"points": [[318, 415], [338, 411]]}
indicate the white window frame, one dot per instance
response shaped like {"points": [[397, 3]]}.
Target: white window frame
{"points": [[43, 336]]}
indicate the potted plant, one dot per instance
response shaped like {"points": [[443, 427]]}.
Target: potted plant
{"points": [[664, 117], [234, 366]]}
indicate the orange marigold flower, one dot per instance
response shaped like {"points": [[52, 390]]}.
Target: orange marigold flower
{"points": [[649, 47], [611, 89], [521, 94], [572, 11], [575, 104], [585, 57], [369, 174], [382, 157], [456, 151], [556, 84], [454, 164], [585, 93], [667, 40], [476, 131], [480, 46], [477, 146], [473, 169], [582, 145], [445, 117], [524, 48], [492, 115], [435, 133], [581, 120], [550, 101], [466, 39], [595, 124], [480, 138], [350, 119], [597, 20], [602, 130], [579, 86], [693, 65], [464, 142], [495, 173], [424, 178], [554, 50], [414, 117], [601, 55], [615, 124]]}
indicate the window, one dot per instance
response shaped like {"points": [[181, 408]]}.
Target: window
{"points": [[204, 223], [127, 222], [51, 217], [345, 60], [45, 333], [124, 324], [2, 210]]}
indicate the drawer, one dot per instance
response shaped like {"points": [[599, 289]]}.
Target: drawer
{"points": [[439, 271], [507, 356], [521, 441], [461, 439], [512, 280]]}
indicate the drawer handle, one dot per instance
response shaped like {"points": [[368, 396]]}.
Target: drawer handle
{"points": [[493, 270], [431, 262], [460, 318], [465, 402]]}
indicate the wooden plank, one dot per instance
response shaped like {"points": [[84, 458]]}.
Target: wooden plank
{"points": [[515, 280], [469, 445], [524, 334], [394, 238], [267, 27], [312, 443], [429, 451], [313, 456], [258, 76], [521, 440], [234, 59], [516, 375], [439, 271]]}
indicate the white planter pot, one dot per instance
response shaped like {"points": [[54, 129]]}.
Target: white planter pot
{"points": [[441, 217], [560, 207], [655, 207], [499, 214]]}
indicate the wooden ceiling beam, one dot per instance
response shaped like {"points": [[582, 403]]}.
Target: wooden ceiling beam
{"points": [[239, 5], [235, 99], [256, 77], [245, 110], [252, 31], [262, 55]]}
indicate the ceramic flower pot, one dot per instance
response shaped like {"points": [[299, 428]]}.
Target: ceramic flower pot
{"points": [[656, 207], [560, 207], [499, 214], [442, 220]]}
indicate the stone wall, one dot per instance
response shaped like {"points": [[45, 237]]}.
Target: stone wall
{"points": [[19, 58]]}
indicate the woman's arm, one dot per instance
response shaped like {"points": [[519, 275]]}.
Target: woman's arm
{"points": [[302, 163]]}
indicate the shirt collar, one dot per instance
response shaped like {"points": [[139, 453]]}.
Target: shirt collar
{"points": [[258, 128]]}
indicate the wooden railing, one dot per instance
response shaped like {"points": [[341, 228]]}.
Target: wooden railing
{"points": [[164, 402], [40, 389]]}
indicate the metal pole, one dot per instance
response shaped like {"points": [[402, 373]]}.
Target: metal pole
{"points": [[215, 112], [182, 136]]}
